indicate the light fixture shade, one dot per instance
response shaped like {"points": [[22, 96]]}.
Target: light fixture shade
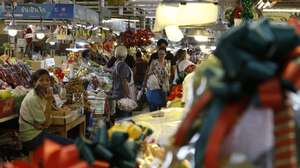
{"points": [[189, 14], [174, 33], [40, 35], [51, 40], [12, 30], [81, 42]]}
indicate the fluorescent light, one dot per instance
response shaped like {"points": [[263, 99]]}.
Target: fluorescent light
{"points": [[120, 19], [76, 49], [282, 10], [201, 38]]}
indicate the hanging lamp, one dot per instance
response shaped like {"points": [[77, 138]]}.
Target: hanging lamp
{"points": [[185, 13]]}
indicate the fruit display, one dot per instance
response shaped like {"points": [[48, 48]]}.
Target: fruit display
{"points": [[5, 94], [141, 37], [15, 74], [73, 57]]}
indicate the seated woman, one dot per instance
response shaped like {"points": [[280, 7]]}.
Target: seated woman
{"points": [[35, 113]]}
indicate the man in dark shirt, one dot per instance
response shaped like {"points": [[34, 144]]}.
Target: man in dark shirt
{"points": [[162, 44], [140, 69]]}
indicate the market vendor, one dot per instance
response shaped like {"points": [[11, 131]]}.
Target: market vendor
{"points": [[34, 113], [94, 84]]}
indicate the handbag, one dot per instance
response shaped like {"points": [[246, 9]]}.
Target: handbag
{"points": [[128, 104], [156, 97]]}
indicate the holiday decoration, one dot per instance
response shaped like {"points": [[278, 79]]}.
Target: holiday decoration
{"points": [[295, 22], [247, 13], [258, 69], [51, 155]]}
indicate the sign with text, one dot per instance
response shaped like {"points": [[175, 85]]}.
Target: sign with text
{"points": [[37, 11]]}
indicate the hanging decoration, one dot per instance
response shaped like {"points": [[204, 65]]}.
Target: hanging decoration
{"points": [[141, 37], [295, 22], [247, 13], [254, 77]]}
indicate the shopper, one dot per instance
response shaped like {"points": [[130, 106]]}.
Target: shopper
{"points": [[129, 60], [140, 70], [157, 82], [162, 44], [35, 113], [183, 67], [122, 80]]}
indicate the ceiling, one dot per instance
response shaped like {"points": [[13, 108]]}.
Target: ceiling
{"points": [[146, 8]]}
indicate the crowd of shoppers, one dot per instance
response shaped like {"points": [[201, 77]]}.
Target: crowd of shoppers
{"points": [[154, 76]]}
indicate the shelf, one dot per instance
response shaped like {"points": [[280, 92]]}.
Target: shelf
{"points": [[4, 119]]}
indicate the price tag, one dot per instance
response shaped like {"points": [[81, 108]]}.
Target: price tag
{"points": [[58, 102], [50, 62]]}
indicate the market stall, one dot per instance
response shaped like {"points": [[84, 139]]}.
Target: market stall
{"points": [[232, 101]]}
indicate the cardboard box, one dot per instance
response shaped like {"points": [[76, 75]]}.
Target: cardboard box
{"points": [[35, 65], [64, 117]]}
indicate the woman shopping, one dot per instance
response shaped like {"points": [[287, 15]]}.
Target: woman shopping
{"points": [[35, 113], [157, 82], [123, 84]]}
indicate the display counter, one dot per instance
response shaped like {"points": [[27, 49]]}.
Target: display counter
{"points": [[164, 123]]}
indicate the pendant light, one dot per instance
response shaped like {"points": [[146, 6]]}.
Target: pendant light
{"points": [[51, 40], [12, 30], [185, 13], [174, 33]]}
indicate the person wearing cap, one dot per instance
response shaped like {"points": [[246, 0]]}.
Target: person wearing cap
{"points": [[162, 44], [183, 67]]}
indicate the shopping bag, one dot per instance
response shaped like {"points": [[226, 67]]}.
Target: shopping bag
{"points": [[127, 104], [156, 97]]}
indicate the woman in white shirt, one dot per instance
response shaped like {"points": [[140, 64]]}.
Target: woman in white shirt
{"points": [[35, 113], [157, 82], [183, 67]]}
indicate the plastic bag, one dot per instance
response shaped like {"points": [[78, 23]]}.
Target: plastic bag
{"points": [[126, 104]]}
